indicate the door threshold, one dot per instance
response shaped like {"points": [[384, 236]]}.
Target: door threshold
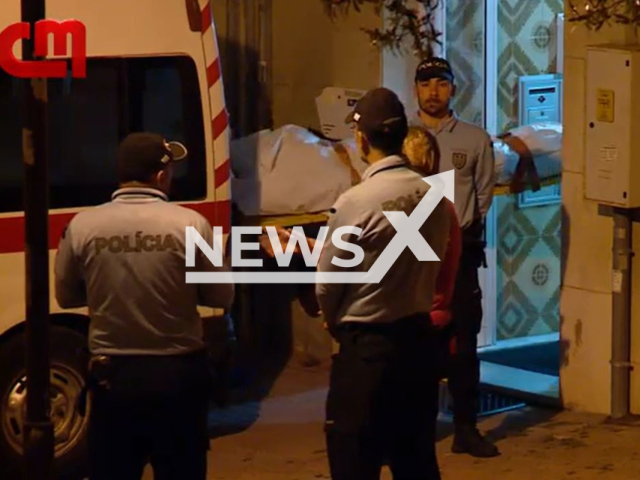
{"points": [[531, 387], [521, 342]]}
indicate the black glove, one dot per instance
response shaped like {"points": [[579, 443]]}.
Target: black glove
{"points": [[473, 245]]}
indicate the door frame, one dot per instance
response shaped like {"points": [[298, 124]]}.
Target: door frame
{"points": [[487, 276]]}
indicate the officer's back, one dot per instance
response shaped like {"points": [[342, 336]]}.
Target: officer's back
{"points": [[131, 253], [408, 286]]}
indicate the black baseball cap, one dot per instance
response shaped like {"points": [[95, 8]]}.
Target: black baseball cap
{"points": [[434, 67], [142, 154], [381, 111]]}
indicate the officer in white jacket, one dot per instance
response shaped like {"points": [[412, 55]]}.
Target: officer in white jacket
{"points": [[383, 395], [468, 150], [149, 377]]}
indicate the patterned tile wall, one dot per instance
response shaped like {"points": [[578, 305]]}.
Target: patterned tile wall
{"points": [[528, 273], [465, 52], [528, 238], [525, 47]]}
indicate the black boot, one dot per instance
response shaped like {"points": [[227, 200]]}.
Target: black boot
{"points": [[469, 440]]}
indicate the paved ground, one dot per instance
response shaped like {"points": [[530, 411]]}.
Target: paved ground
{"points": [[281, 438]]}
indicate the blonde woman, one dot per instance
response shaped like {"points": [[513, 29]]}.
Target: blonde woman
{"points": [[421, 149]]}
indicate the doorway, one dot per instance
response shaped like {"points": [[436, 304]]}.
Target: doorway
{"points": [[492, 45]]}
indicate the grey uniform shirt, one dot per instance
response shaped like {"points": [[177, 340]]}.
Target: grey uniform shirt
{"points": [[408, 286], [468, 150], [125, 260]]}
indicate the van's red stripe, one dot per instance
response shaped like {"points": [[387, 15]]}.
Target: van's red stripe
{"points": [[220, 123], [221, 174], [213, 72], [224, 215], [12, 229], [12, 232], [206, 17], [218, 214]]}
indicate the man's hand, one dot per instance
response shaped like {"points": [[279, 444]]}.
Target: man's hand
{"points": [[283, 235]]}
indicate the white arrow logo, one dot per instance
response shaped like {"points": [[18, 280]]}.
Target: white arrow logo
{"points": [[407, 235]]}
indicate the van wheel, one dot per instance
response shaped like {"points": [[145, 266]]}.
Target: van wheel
{"points": [[69, 360]]}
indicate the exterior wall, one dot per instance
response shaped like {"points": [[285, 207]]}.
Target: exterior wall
{"points": [[304, 51], [585, 305], [398, 71], [310, 52]]}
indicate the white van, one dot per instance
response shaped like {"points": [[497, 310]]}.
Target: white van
{"points": [[151, 65]]}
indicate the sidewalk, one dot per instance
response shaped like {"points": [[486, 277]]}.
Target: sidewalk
{"points": [[281, 438]]}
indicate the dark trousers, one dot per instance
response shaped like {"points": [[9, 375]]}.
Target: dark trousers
{"points": [[464, 365], [383, 402], [155, 410]]}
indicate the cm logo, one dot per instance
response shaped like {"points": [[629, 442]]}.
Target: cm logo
{"points": [[45, 68]]}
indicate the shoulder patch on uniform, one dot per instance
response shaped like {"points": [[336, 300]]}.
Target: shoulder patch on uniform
{"points": [[459, 159]]}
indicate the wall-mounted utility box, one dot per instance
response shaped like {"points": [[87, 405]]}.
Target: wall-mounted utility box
{"points": [[540, 99], [613, 125]]}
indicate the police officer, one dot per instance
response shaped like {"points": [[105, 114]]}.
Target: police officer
{"points": [[467, 149], [383, 395], [149, 377]]}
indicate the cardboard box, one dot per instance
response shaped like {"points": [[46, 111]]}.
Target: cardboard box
{"points": [[334, 104]]}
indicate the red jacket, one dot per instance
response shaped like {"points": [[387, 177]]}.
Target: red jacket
{"points": [[445, 283]]}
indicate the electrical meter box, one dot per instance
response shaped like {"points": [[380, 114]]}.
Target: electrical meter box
{"points": [[613, 125]]}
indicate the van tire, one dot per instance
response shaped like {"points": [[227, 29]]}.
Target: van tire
{"points": [[69, 361]]}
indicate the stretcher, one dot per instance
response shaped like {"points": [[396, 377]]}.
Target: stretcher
{"points": [[507, 189], [322, 217], [292, 175], [289, 220]]}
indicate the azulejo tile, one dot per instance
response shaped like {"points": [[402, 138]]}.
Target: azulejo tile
{"points": [[512, 320], [516, 314], [511, 239], [529, 223], [554, 6], [551, 312], [513, 15], [541, 216], [554, 224], [528, 277], [539, 328], [542, 36], [460, 15], [539, 274], [465, 51], [554, 242], [469, 98]]}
